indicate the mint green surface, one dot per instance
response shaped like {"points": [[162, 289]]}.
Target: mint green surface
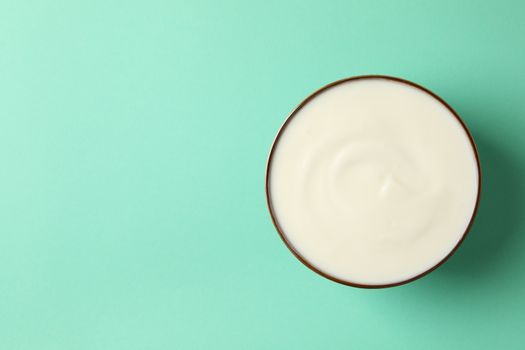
{"points": [[133, 145]]}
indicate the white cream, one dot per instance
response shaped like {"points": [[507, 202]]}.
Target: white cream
{"points": [[373, 181]]}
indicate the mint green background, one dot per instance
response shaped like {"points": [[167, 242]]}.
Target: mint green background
{"points": [[133, 143]]}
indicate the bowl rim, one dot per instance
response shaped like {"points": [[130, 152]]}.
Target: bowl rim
{"points": [[281, 232]]}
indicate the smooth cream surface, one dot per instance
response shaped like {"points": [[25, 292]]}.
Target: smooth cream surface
{"points": [[373, 181]]}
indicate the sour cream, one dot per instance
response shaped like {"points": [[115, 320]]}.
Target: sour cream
{"points": [[373, 181]]}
